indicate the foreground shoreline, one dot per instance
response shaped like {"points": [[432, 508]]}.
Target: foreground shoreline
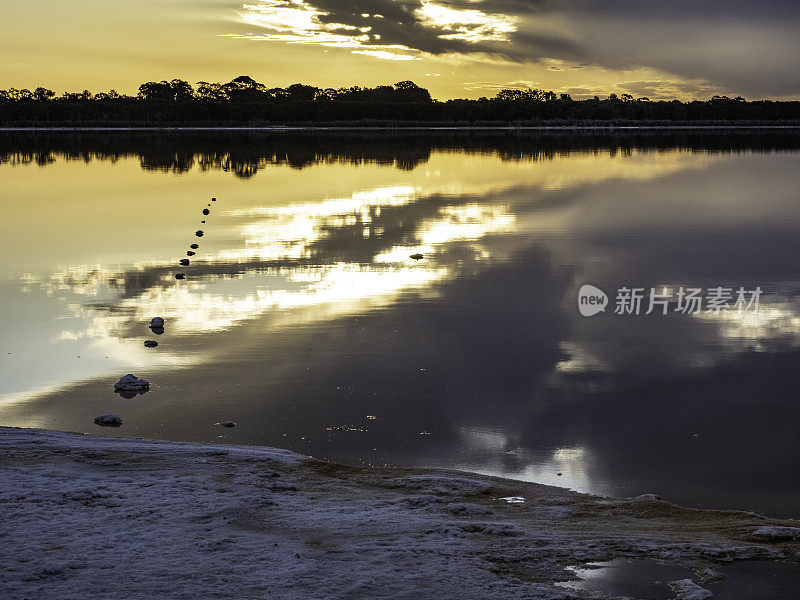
{"points": [[98, 517]]}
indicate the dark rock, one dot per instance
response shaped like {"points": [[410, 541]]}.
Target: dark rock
{"points": [[194, 246], [226, 424], [184, 262], [189, 253], [109, 420], [417, 256], [199, 233], [150, 343], [131, 383], [180, 275], [206, 211], [156, 322]]}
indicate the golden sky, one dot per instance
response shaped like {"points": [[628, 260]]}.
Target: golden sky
{"points": [[455, 48]]}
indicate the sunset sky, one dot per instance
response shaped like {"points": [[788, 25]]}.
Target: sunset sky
{"points": [[455, 48]]}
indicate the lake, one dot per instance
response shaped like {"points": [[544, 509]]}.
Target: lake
{"points": [[303, 318]]}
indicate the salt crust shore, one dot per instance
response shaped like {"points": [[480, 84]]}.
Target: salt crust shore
{"points": [[89, 517]]}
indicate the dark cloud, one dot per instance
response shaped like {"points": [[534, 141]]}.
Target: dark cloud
{"points": [[442, 27], [747, 48]]}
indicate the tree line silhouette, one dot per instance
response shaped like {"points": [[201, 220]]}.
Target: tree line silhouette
{"points": [[244, 101]]}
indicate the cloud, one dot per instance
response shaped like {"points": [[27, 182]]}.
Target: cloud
{"points": [[726, 45], [742, 47], [469, 25], [494, 87], [388, 29], [385, 55], [654, 89]]}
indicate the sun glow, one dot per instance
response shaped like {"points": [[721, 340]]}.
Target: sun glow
{"points": [[469, 25], [297, 22]]}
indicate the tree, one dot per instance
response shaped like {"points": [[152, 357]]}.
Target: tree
{"points": [[509, 94], [181, 90], [210, 91], [326, 95], [243, 99], [41, 94], [244, 89], [177, 89], [298, 91], [408, 91], [153, 90], [77, 96], [19, 95]]}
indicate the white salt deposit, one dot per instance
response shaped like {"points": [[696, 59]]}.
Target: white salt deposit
{"points": [[87, 517]]}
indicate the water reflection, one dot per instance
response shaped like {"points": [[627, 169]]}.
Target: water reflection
{"points": [[304, 317]]}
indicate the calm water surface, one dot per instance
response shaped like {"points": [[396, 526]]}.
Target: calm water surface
{"points": [[303, 318]]}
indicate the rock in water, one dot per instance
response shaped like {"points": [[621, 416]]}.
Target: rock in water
{"points": [[194, 246], [180, 275], [156, 322], [199, 233], [206, 211], [226, 424], [416, 256], [131, 383], [150, 343], [109, 420], [185, 262]]}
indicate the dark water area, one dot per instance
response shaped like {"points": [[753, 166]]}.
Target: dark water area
{"points": [[303, 317], [643, 578]]}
